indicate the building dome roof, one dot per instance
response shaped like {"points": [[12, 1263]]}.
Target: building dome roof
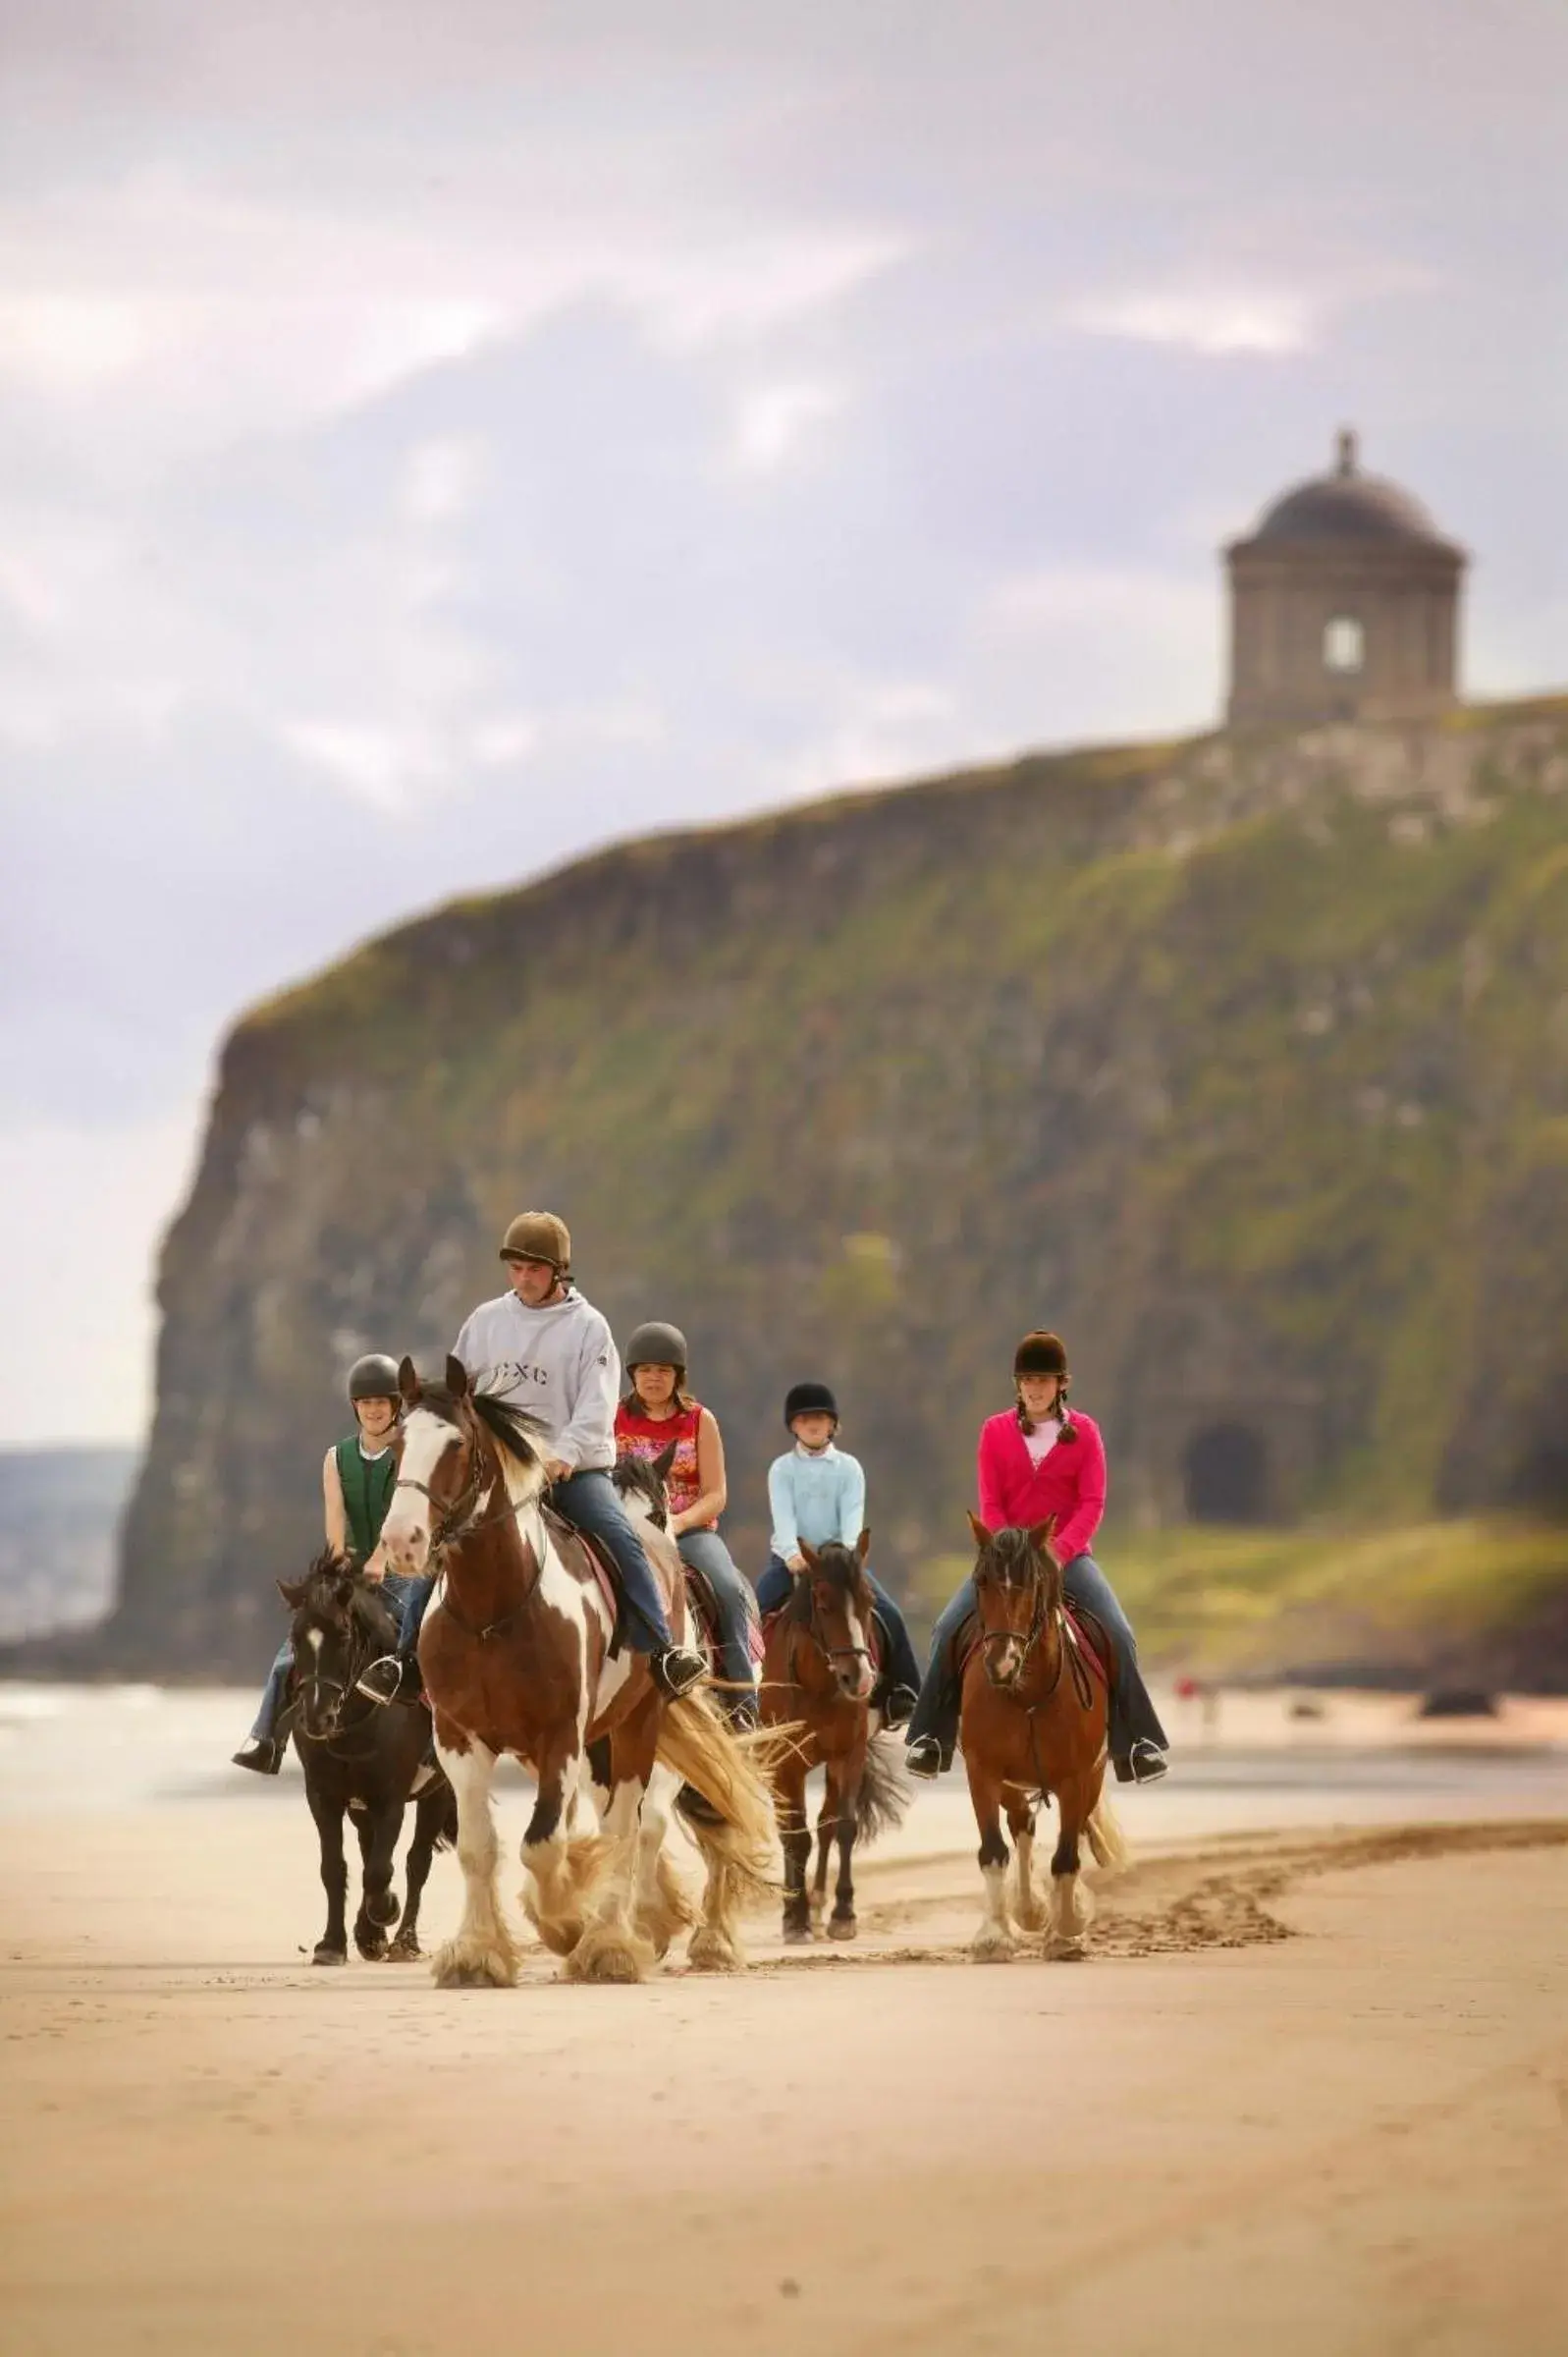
{"points": [[1348, 505]]}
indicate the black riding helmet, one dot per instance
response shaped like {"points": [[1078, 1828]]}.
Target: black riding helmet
{"points": [[373, 1377], [809, 1399], [656, 1344]]}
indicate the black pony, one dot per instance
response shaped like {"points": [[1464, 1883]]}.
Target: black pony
{"points": [[361, 1758]]}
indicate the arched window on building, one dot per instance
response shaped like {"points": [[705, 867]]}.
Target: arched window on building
{"points": [[1344, 644]]}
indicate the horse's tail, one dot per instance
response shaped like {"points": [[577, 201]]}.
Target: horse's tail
{"points": [[731, 1773], [886, 1791], [1107, 1839]]}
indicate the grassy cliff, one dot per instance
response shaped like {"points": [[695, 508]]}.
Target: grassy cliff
{"points": [[1243, 1061]]}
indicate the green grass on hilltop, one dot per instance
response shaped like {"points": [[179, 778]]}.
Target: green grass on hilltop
{"points": [[1236, 1601]]}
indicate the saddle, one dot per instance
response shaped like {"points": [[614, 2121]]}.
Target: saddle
{"points": [[1082, 1632]]}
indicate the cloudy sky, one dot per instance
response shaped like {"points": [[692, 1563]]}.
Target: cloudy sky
{"points": [[434, 439]]}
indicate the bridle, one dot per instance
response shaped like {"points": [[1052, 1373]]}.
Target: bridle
{"points": [[1030, 1639], [460, 1519], [359, 1652], [832, 1654]]}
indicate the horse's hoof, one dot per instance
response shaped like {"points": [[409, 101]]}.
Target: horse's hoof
{"points": [[992, 1947], [799, 1935], [1034, 1919], [1067, 1951], [405, 1951], [464, 1964], [330, 1956], [841, 1927], [372, 1949], [710, 1950], [383, 1910], [609, 1956]]}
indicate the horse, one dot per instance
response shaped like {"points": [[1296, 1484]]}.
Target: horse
{"points": [[1033, 1726], [818, 1675], [520, 1655], [362, 1759]]}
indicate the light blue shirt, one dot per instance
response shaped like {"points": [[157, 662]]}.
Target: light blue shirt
{"points": [[816, 1498]]}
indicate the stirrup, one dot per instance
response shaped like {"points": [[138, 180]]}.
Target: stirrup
{"points": [[677, 1670], [1144, 1763], [261, 1754], [898, 1707], [923, 1757], [386, 1679]]}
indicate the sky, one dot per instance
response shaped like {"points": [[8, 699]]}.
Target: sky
{"points": [[435, 442]]}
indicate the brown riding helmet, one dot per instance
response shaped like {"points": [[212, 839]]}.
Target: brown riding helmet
{"points": [[1041, 1353], [538, 1236]]}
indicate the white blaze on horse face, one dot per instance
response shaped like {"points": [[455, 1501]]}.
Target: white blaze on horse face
{"points": [[405, 1532], [313, 1639], [863, 1678]]}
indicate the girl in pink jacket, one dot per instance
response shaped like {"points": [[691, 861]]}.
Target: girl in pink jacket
{"points": [[1040, 1462]]}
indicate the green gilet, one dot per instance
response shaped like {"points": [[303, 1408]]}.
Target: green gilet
{"points": [[367, 1494]]}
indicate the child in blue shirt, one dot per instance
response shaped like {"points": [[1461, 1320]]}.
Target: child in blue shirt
{"points": [[818, 1493]]}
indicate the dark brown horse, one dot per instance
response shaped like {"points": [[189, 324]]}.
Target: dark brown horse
{"points": [[520, 1656], [1033, 1726], [818, 1674], [361, 1761]]}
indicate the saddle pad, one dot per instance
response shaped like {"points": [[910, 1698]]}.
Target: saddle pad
{"points": [[600, 1560]]}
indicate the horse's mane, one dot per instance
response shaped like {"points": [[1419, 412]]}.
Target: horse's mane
{"points": [[1021, 1563], [365, 1604], [634, 1472], [842, 1566], [519, 1436]]}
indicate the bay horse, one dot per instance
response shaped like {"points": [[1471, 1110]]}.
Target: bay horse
{"points": [[1033, 1726], [819, 1671], [361, 1759], [520, 1655]]}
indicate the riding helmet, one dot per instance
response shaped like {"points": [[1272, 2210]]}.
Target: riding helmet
{"points": [[538, 1236], [809, 1399], [373, 1377], [1041, 1353], [656, 1344]]}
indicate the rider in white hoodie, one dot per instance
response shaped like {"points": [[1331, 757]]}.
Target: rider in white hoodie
{"points": [[542, 1348]]}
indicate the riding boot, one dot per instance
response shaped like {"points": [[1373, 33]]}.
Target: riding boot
{"points": [[263, 1754]]}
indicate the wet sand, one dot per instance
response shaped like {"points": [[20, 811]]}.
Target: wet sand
{"points": [[1310, 2092]]}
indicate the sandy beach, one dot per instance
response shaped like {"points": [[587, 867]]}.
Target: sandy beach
{"points": [[1310, 2091]]}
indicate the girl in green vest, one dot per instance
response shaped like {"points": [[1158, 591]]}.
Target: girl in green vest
{"points": [[356, 1478]]}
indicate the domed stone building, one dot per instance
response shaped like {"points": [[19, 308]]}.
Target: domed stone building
{"points": [[1344, 605]]}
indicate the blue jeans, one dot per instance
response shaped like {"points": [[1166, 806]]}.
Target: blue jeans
{"points": [[1133, 1717], [589, 1502], [901, 1667], [706, 1552], [394, 1587]]}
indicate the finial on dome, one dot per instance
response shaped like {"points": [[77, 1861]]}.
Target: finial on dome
{"points": [[1347, 451]]}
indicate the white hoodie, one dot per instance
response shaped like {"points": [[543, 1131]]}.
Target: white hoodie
{"points": [[558, 1362]]}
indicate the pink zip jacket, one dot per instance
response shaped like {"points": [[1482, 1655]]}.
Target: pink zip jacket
{"points": [[1069, 1483]]}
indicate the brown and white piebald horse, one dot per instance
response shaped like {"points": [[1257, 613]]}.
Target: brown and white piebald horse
{"points": [[515, 1653], [1033, 1726], [818, 1675]]}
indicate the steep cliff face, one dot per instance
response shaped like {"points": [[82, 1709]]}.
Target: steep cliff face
{"points": [[1244, 1061]]}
